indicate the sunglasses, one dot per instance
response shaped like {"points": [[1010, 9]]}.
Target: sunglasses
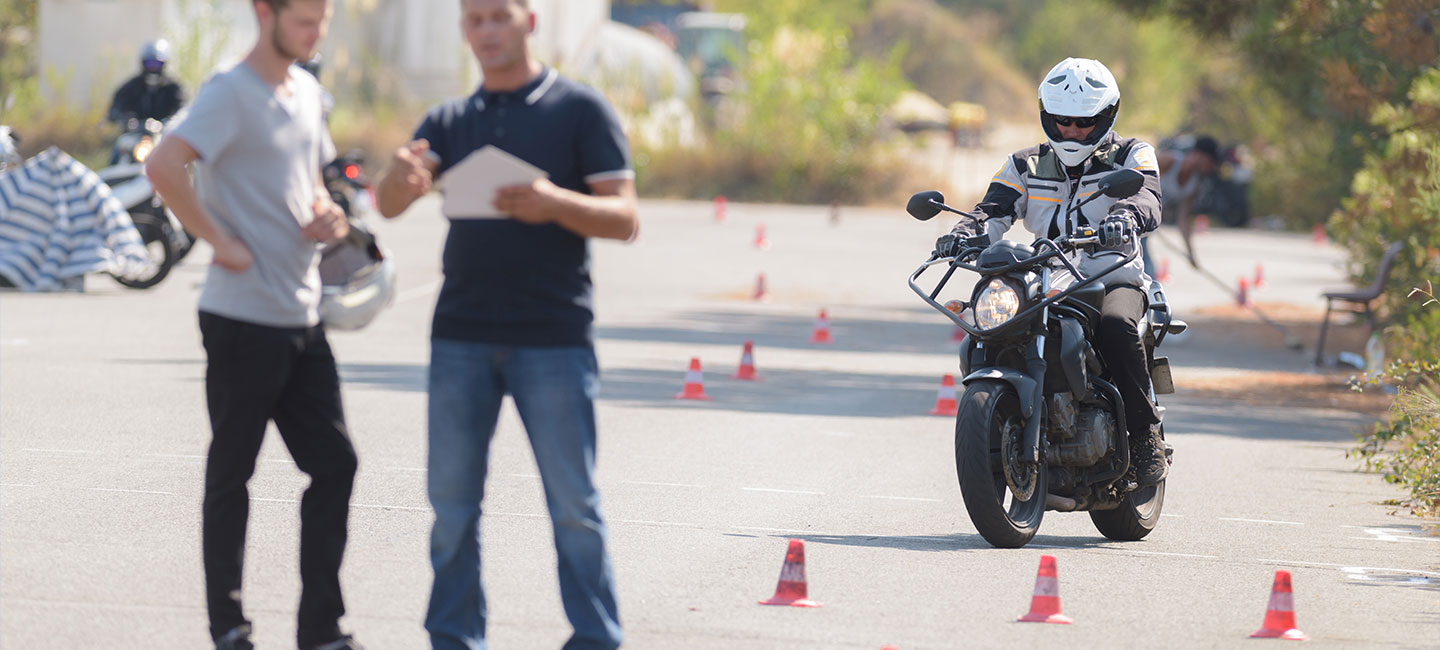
{"points": [[1079, 122]]}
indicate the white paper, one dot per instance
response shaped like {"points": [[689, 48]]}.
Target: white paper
{"points": [[469, 187]]}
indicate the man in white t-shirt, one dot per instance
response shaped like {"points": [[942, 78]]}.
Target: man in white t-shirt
{"points": [[255, 132]]}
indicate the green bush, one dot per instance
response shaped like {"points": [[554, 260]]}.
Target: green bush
{"points": [[803, 125], [1406, 449]]}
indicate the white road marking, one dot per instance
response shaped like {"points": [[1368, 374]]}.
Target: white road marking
{"points": [[406, 469], [522, 475], [17, 485], [512, 514], [274, 500], [881, 496], [1348, 566], [279, 461], [421, 291], [759, 489], [1124, 550], [381, 506], [685, 485], [59, 451], [1166, 514], [1261, 521], [1392, 535], [177, 456], [95, 489], [678, 524], [774, 530], [19, 343]]}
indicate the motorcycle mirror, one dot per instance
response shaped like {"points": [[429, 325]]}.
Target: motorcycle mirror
{"points": [[924, 205], [1121, 183]]}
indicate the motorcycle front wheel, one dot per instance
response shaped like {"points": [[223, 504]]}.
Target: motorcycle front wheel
{"points": [[1006, 504], [155, 234]]}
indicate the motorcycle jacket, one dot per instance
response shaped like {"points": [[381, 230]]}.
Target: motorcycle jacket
{"points": [[1034, 187], [143, 101]]}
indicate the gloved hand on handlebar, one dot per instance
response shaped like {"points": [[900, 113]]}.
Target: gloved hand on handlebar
{"points": [[949, 244], [1115, 227]]}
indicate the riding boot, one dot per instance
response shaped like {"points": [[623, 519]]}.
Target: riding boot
{"points": [[1147, 456]]}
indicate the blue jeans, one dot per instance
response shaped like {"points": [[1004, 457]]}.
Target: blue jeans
{"points": [[554, 390]]}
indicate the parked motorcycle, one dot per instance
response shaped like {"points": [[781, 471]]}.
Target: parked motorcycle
{"points": [[1040, 424], [345, 180], [166, 240], [9, 154]]}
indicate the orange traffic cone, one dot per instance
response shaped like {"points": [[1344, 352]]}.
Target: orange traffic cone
{"points": [[1318, 234], [694, 382], [1242, 295], [1280, 613], [747, 363], [1259, 275], [761, 242], [720, 208], [760, 287], [945, 403], [1202, 224], [1045, 604], [1164, 274], [822, 329], [791, 590]]}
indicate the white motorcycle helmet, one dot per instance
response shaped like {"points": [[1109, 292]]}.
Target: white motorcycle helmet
{"points": [[1078, 88], [357, 280]]}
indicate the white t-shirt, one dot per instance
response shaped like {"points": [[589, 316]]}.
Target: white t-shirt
{"points": [[256, 176]]}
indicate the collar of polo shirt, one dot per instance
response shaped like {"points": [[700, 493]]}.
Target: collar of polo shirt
{"points": [[531, 92]]}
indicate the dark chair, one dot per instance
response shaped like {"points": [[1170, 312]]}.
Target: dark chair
{"points": [[1358, 300]]}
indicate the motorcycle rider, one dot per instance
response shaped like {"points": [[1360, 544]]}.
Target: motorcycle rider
{"points": [[1079, 100], [152, 94]]}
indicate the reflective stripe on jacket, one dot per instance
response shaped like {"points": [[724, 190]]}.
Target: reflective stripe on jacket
{"points": [[1033, 186]]}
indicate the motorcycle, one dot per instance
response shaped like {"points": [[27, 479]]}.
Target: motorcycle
{"points": [[166, 240], [1040, 425], [9, 154], [345, 179]]}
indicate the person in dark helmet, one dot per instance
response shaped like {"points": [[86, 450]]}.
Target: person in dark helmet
{"points": [[1079, 101], [152, 94]]}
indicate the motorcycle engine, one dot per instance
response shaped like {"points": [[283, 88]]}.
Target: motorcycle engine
{"points": [[1092, 435]]}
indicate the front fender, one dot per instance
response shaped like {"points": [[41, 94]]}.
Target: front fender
{"points": [[1024, 385]]}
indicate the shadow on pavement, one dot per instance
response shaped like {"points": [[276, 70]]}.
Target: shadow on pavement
{"points": [[917, 336], [798, 392], [957, 542]]}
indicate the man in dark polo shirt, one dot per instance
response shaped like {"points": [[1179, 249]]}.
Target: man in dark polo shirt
{"points": [[514, 316]]}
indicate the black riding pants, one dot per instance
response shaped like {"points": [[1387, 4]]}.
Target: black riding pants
{"points": [[1118, 342], [257, 374]]}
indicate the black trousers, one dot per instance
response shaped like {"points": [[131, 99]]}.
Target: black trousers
{"points": [[1119, 344], [257, 374]]}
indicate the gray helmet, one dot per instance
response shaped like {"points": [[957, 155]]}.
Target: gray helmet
{"points": [[357, 279]]}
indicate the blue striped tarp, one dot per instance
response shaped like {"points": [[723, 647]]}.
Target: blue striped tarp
{"points": [[59, 222]]}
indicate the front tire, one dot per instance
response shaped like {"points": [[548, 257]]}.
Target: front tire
{"points": [[155, 234], [989, 421]]}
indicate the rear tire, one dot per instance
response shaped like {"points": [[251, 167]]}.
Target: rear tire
{"points": [[1138, 514], [155, 234], [990, 418]]}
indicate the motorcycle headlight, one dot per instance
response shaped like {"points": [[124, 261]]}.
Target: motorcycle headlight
{"points": [[997, 304], [142, 149]]}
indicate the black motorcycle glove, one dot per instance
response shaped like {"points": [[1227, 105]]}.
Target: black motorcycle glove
{"points": [[1114, 229], [948, 245]]}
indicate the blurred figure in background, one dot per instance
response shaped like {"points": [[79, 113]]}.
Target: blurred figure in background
{"points": [[1181, 174], [152, 94]]}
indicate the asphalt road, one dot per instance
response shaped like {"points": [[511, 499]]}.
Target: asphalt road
{"points": [[103, 433]]}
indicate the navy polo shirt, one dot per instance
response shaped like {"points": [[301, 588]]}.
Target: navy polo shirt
{"points": [[508, 282]]}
